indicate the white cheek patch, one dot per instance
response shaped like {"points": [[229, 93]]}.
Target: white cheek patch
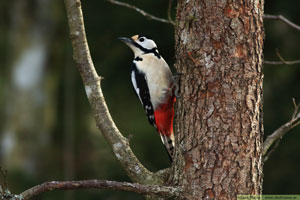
{"points": [[147, 44]]}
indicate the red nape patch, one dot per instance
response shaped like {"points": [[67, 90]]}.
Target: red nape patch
{"points": [[164, 116]]}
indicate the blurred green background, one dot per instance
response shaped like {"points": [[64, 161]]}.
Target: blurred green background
{"points": [[47, 131]]}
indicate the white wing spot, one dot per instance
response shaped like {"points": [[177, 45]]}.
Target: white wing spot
{"points": [[135, 85], [162, 138], [133, 80]]}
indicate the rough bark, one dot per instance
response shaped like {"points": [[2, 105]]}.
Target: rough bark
{"points": [[219, 115]]}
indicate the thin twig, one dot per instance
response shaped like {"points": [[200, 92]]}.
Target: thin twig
{"points": [[296, 108], [169, 12], [283, 19], [142, 12], [282, 60], [282, 63], [267, 62], [267, 156], [281, 131], [100, 184], [293, 25], [279, 56]]}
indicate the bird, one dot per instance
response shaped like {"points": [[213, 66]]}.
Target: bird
{"points": [[155, 86]]}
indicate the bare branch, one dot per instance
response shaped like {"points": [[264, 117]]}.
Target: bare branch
{"points": [[268, 154], [120, 145], [142, 12], [293, 25], [100, 184], [169, 12], [281, 131], [283, 19], [296, 108], [281, 62], [279, 56]]}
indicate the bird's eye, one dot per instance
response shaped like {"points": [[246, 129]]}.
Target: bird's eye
{"points": [[142, 39]]}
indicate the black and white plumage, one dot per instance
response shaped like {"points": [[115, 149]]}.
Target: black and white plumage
{"points": [[154, 85], [139, 82]]}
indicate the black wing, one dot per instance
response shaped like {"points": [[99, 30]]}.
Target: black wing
{"points": [[141, 89]]}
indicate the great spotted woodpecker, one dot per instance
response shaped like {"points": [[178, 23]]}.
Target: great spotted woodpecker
{"points": [[154, 85]]}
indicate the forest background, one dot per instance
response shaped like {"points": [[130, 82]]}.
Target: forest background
{"points": [[47, 130]]}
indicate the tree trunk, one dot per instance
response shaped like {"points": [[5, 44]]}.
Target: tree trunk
{"points": [[219, 113], [26, 123]]}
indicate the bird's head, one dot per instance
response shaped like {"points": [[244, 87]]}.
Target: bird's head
{"points": [[139, 44]]}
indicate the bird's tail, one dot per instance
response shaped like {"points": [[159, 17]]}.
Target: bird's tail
{"points": [[164, 116], [169, 143]]}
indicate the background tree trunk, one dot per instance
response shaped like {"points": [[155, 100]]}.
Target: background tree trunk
{"points": [[219, 115], [28, 105]]}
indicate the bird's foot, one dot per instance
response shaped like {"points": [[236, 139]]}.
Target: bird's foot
{"points": [[177, 88]]}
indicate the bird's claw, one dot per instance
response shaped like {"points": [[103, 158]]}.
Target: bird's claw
{"points": [[176, 81]]}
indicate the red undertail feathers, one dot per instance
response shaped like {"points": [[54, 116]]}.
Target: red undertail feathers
{"points": [[164, 116]]}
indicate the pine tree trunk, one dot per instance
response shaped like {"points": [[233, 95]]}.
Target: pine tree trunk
{"points": [[219, 112]]}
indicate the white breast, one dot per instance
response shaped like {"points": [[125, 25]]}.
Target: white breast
{"points": [[159, 78]]}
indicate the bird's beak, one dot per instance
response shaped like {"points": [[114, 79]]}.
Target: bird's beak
{"points": [[127, 41]]}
